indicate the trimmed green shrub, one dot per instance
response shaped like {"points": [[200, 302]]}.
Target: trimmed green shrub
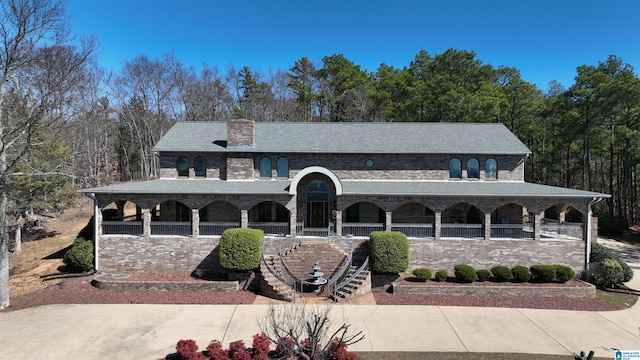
{"points": [[606, 273], [389, 252], [79, 258], [564, 273], [599, 253], [422, 274], [521, 274], [612, 225], [483, 275], [543, 273], [441, 275], [241, 249], [465, 273], [501, 273]]}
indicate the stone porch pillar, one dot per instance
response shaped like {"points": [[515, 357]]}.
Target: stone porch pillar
{"points": [[387, 220], [537, 226], [244, 218], [195, 223], [146, 222], [338, 222], [437, 225], [120, 204], [487, 226], [293, 219]]}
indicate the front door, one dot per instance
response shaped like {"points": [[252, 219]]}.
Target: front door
{"points": [[318, 214], [317, 204]]}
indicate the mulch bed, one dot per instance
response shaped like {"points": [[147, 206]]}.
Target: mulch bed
{"points": [[80, 291]]}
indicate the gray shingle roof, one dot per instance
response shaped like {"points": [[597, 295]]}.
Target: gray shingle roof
{"points": [[388, 188], [422, 138]]}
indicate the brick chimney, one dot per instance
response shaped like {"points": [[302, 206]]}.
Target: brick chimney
{"points": [[240, 141], [240, 133]]}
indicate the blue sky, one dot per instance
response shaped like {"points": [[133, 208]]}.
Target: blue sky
{"points": [[545, 39]]}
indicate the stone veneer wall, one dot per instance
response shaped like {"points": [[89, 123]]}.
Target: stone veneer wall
{"points": [[186, 254], [157, 253], [485, 254]]}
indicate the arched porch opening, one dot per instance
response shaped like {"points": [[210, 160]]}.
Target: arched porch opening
{"points": [[122, 217], [361, 218], [511, 221], [218, 216], [171, 218], [462, 220], [562, 221], [414, 220], [271, 217]]}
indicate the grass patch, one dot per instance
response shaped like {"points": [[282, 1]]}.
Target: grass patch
{"points": [[617, 298]]}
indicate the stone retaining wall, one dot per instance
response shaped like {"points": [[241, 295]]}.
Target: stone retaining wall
{"points": [[580, 290], [126, 285]]}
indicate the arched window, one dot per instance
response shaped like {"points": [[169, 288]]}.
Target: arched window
{"points": [[282, 167], [200, 165], [491, 169], [455, 169], [265, 167], [473, 169], [182, 165]]}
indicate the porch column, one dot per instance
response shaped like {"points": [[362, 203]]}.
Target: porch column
{"points": [[293, 219], [437, 225], [487, 226], [338, 222], [195, 223], [537, 226], [387, 220], [146, 222], [120, 204], [244, 218]]}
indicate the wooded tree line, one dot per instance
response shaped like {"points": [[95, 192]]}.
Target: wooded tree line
{"points": [[66, 123]]}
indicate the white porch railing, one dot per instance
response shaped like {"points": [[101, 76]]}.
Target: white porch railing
{"points": [[277, 228], [462, 230], [216, 228], [512, 231], [360, 229], [562, 231], [122, 228], [415, 230]]}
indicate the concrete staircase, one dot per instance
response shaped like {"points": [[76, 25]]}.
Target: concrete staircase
{"points": [[299, 260]]}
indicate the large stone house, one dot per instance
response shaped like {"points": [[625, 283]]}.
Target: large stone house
{"points": [[456, 190]]}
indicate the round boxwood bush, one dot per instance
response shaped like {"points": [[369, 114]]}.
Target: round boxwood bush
{"points": [[606, 273], [79, 258], [483, 275], [521, 274], [389, 252], [564, 273], [501, 273], [422, 274], [241, 249], [465, 273], [441, 275], [599, 253], [543, 273]]}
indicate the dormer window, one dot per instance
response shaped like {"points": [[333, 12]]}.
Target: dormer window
{"points": [[265, 167], [491, 169], [200, 165], [473, 169], [455, 169], [182, 166]]}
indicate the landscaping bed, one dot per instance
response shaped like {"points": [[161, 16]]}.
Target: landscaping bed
{"points": [[161, 282], [570, 289]]}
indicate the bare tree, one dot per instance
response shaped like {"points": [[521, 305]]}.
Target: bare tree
{"points": [[32, 32], [307, 330]]}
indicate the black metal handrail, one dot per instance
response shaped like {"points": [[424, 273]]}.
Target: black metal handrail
{"points": [[348, 279]]}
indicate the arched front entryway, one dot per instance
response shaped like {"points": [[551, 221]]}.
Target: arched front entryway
{"points": [[316, 189]]}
